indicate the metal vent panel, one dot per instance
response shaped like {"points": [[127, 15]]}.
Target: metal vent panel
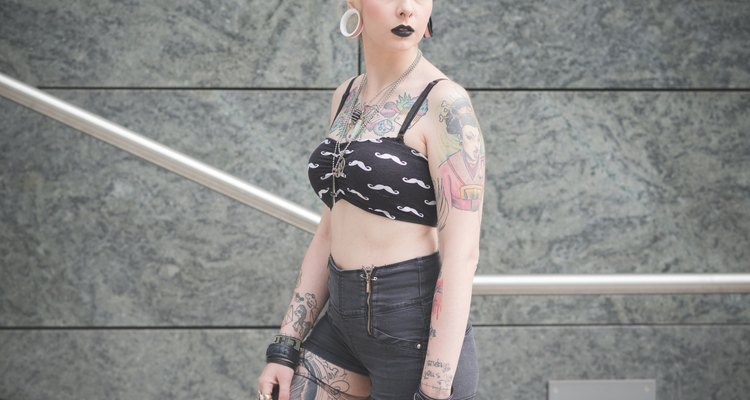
{"points": [[635, 389]]}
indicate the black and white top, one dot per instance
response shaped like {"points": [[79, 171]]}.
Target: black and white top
{"points": [[383, 176]]}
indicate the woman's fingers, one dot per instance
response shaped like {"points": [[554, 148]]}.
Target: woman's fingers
{"points": [[267, 379], [284, 377], [265, 386], [275, 374]]}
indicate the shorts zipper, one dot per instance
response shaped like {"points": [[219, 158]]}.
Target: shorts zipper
{"points": [[368, 289]]}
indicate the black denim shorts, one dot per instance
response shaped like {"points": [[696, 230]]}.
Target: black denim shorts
{"points": [[378, 324]]}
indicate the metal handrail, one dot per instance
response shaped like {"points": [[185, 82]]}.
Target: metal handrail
{"points": [[158, 154], [291, 213], [539, 284]]}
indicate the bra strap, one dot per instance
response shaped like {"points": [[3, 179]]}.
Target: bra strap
{"points": [[343, 98], [415, 108]]}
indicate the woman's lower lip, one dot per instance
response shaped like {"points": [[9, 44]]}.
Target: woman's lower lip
{"points": [[402, 33]]}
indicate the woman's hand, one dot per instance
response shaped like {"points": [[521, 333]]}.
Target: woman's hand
{"points": [[276, 374]]}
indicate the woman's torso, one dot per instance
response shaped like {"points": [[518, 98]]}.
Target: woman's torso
{"points": [[361, 238]]}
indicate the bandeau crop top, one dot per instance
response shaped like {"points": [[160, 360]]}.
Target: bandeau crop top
{"points": [[382, 176]]}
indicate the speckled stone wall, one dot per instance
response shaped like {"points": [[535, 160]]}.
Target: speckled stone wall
{"points": [[698, 362], [618, 137]]}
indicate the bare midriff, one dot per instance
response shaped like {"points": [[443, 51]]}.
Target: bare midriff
{"points": [[360, 238]]}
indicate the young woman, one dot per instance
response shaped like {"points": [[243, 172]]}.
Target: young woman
{"points": [[401, 174]]}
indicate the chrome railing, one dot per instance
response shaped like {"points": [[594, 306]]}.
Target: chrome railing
{"points": [[291, 213], [538, 284], [158, 154]]}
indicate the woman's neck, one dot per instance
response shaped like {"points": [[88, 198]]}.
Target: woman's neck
{"points": [[384, 68]]}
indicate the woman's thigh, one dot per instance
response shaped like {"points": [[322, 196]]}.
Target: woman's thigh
{"points": [[319, 379]]}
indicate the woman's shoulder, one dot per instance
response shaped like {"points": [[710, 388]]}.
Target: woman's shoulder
{"points": [[338, 95], [447, 89], [446, 95], [449, 99], [341, 88], [449, 96]]}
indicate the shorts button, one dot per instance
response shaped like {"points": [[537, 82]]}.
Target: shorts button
{"points": [[419, 346]]}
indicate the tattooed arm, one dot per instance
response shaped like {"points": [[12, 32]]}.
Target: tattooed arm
{"points": [[456, 157], [311, 290], [310, 293]]}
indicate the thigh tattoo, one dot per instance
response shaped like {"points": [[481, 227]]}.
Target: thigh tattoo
{"points": [[318, 379]]}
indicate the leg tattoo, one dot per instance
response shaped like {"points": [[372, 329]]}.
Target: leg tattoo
{"points": [[318, 379]]}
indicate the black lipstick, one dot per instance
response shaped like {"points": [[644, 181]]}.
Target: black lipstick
{"points": [[402, 30]]}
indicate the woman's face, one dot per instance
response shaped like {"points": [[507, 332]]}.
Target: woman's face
{"points": [[470, 142], [382, 17]]}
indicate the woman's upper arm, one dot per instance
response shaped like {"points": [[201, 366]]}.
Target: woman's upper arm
{"points": [[456, 155], [324, 227]]}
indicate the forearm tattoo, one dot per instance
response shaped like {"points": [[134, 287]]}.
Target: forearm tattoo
{"points": [[437, 300], [460, 183], [437, 303], [302, 313], [437, 374]]}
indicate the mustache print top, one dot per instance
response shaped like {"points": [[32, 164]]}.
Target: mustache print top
{"points": [[382, 176]]}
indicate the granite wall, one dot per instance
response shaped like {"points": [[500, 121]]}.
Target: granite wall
{"points": [[618, 137]]}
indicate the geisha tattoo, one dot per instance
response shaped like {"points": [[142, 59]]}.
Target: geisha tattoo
{"points": [[461, 175]]}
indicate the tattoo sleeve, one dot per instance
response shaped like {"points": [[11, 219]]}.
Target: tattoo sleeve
{"points": [[460, 182], [301, 313], [457, 166], [437, 374]]}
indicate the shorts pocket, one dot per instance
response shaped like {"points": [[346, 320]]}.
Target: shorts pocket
{"points": [[405, 329]]}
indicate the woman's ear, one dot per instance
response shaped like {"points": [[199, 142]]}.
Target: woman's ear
{"points": [[428, 33]]}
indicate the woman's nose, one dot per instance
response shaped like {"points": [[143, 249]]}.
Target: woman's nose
{"points": [[406, 8]]}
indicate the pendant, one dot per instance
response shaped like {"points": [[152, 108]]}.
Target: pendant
{"points": [[356, 114], [338, 169], [357, 128]]}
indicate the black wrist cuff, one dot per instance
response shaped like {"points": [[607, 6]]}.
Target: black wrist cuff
{"points": [[421, 396], [281, 361], [282, 354], [290, 341]]}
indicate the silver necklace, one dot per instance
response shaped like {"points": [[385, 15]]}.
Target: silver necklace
{"points": [[357, 111], [338, 162]]}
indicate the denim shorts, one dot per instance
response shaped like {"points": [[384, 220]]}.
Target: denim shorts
{"points": [[378, 322]]}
